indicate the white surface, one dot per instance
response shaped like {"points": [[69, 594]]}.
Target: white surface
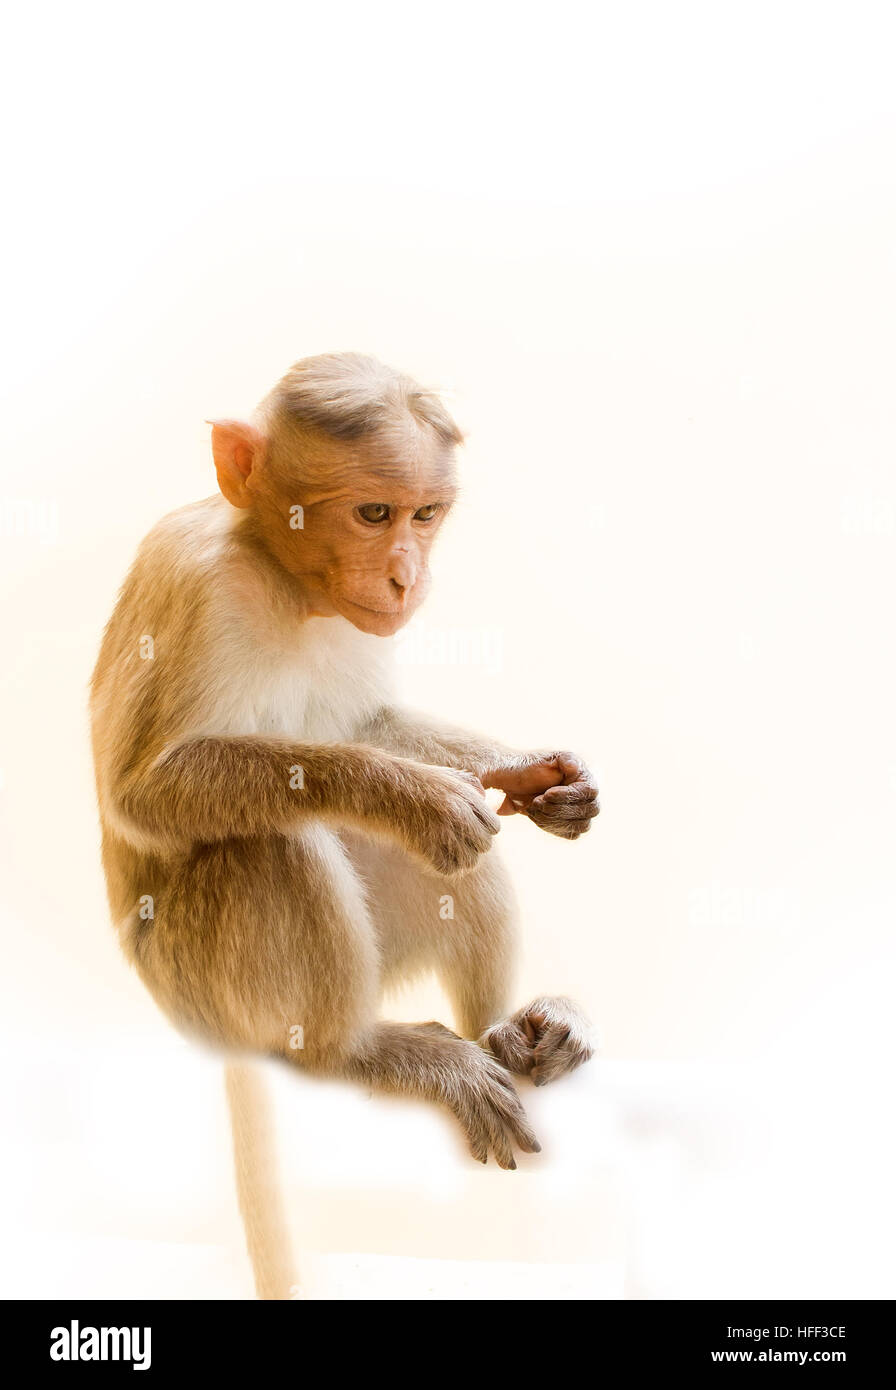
{"points": [[656, 1180]]}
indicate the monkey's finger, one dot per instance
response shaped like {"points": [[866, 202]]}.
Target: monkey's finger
{"points": [[561, 821], [563, 829], [571, 792], [573, 769], [582, 810], [486, 816], [585, 810], [569, 829], [470, 778]]}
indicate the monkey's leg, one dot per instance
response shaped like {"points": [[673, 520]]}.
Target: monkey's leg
{"points": [[256, 942], [269, 944], [463, 927], [543, 1040], [478, 949]]}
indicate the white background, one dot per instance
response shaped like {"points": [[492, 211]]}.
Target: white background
{"points": [[650, 251]]}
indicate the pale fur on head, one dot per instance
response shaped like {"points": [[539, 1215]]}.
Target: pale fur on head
{"points": [[345, 397]]}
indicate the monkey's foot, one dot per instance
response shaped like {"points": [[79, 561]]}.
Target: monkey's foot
{"points": [[483, 1099], [545, 1039]]}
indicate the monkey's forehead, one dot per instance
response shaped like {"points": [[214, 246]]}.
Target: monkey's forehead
{"points": [[404, 457], [401, 486]]}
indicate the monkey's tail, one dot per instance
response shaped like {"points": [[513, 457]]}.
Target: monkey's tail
{"points": [[258, 1185]]}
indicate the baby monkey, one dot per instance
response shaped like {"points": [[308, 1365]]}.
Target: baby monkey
{"points": [[279, 835]]}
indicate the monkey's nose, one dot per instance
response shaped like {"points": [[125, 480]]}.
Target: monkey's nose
{"points": [[402, 573]]}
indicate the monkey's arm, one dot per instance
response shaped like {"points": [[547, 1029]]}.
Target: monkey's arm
{"points": [[214, 788], [553, 788], [412, 735]]}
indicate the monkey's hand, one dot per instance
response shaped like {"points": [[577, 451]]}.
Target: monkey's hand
{"points": [[555, 790], [446, 818]]}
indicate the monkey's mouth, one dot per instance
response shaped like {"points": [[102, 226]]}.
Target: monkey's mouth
{"points": [[377, 612], [378, 622]]}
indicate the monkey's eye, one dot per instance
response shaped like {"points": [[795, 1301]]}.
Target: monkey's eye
{"points": [[373, 512], [427, 513]]}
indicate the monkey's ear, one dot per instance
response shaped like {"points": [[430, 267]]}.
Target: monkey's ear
{"points": [[236, 448]]}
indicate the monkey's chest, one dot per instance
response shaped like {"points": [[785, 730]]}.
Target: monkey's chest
{"points": [[310, 711], [314, 696]]}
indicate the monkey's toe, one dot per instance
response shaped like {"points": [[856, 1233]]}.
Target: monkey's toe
{"points": [[511, 1045], [560, 1049], [493, 1117]]}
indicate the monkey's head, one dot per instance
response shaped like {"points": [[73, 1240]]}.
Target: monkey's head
{"points": [[347, 475]]}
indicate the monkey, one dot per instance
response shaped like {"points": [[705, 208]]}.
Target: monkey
{"points": [[278, 832]]}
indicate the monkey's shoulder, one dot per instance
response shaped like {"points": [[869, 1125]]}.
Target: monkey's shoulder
{"points": [[189, 543], [191, 578], [166, 604]]}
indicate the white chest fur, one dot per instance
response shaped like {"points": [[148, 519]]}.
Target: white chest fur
{"points": [[319, 686]]}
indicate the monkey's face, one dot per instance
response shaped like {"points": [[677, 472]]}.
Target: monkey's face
{"points": [[368, 513], [367, 529], [363, 551]]}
